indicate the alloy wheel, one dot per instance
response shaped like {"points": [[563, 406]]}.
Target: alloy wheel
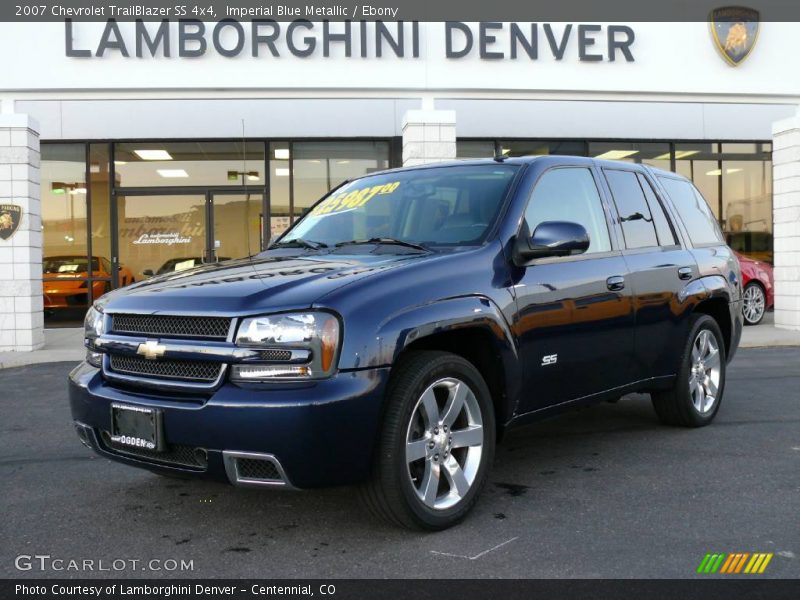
{"points": [[754, 304], [444, 443], [704, 372]]}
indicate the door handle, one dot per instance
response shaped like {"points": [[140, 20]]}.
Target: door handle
{"points": [[685, 273], [615, 283]]}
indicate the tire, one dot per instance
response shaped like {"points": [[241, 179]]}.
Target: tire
{"points": [[754, 305], [424, 382], [692, 402]]}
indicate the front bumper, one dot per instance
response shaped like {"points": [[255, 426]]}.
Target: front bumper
{"points": [[319, 433]]}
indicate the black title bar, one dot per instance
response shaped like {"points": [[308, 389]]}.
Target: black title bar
{"points": [[347, 589], [389, 10]]}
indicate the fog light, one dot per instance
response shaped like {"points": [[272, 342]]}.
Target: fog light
{"points": [[255, 372], [94, 358]]}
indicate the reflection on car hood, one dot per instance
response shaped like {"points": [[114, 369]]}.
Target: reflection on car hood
{"points": [[267, 282]]}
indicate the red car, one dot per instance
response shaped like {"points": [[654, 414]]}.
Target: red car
{"points": [[759, 289]]}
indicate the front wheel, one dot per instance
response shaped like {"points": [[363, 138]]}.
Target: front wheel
{"points": [[697, 394], [436, 444], [755, 303]]}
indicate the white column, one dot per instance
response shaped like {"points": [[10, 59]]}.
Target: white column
{"points": [[21, 316], [429, 136], [786, 211]]}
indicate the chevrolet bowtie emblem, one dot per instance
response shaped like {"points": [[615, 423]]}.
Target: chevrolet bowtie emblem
{"points": [[151, 350]]}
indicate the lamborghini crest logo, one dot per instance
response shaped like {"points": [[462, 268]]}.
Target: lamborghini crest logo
{"points": [[735, 31], [10, 216]]}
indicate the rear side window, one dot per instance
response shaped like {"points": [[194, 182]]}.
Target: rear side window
{"points": [[570, 194], [693, 210], [634, 213], [666, 237]]}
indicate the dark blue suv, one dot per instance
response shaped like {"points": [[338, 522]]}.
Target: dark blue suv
{"points": [[408, 320]]}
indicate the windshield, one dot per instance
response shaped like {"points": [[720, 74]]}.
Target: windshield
{"points": [[67, 264], [450, 206]]}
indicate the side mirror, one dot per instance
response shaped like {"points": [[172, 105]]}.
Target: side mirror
{"points": [[551, 238], [148, 273]]}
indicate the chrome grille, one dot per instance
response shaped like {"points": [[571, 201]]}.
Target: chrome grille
{"points": [[212, 328], [182, 370]]}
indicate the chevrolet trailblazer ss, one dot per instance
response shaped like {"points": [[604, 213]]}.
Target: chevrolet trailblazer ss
{"points": [[394, 333]]}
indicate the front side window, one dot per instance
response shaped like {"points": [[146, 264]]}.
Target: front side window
{"points": [[448, 206], [634, 213], [693, 210], [570, 194]]}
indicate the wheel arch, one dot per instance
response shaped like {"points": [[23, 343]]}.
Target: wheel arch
{"points": [[759, 283], [718, 309], [470, 327]]}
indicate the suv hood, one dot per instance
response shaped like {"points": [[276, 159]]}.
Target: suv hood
{"points": [[264, 283]]}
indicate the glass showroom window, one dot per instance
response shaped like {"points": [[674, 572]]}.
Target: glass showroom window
{"points": [[168, 164], [66, 266], [655, 154], [700, 163], [99, 198], [543, 148], [474, 149], [746, 174], [736, 180], [280, 183], [318, 167]]}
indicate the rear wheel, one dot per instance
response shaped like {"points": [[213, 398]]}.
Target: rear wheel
{"points": [[436, 444], [697, 394], [755, 303]]}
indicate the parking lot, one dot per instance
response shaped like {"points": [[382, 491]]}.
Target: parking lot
{"points": [[602, 492]]}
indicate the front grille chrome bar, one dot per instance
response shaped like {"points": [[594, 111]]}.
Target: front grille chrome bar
{"points": [[203, 351]]}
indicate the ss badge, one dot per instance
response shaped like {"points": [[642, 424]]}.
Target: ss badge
{"points": [[549, 359]]}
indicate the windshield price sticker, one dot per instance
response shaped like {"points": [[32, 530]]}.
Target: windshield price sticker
{"points": [[347, 200]]}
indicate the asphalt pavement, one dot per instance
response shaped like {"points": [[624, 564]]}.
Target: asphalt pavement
{"points": [[602, 492]]}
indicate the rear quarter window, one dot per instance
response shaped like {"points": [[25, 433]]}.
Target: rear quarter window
{"points": [[693, 211]]}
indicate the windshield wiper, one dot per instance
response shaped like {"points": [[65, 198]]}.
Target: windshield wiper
{"points": [[385, 240], [300, 243]]}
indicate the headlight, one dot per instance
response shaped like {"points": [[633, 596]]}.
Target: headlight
{"points": [[294, 346], [92, 329]]}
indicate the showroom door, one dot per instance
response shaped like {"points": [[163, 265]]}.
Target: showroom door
{"points": [[172, 230], [157, 233]]}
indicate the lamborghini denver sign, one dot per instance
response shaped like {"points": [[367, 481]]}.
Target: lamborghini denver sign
{"points": [[189, 38]]}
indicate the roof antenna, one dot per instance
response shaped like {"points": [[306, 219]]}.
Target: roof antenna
{"points": [[499, 156]]}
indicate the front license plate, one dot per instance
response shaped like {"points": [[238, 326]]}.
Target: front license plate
{"points": [[136, 426]]}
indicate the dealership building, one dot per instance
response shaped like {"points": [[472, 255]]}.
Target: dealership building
{"points": [[132, 148]]}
